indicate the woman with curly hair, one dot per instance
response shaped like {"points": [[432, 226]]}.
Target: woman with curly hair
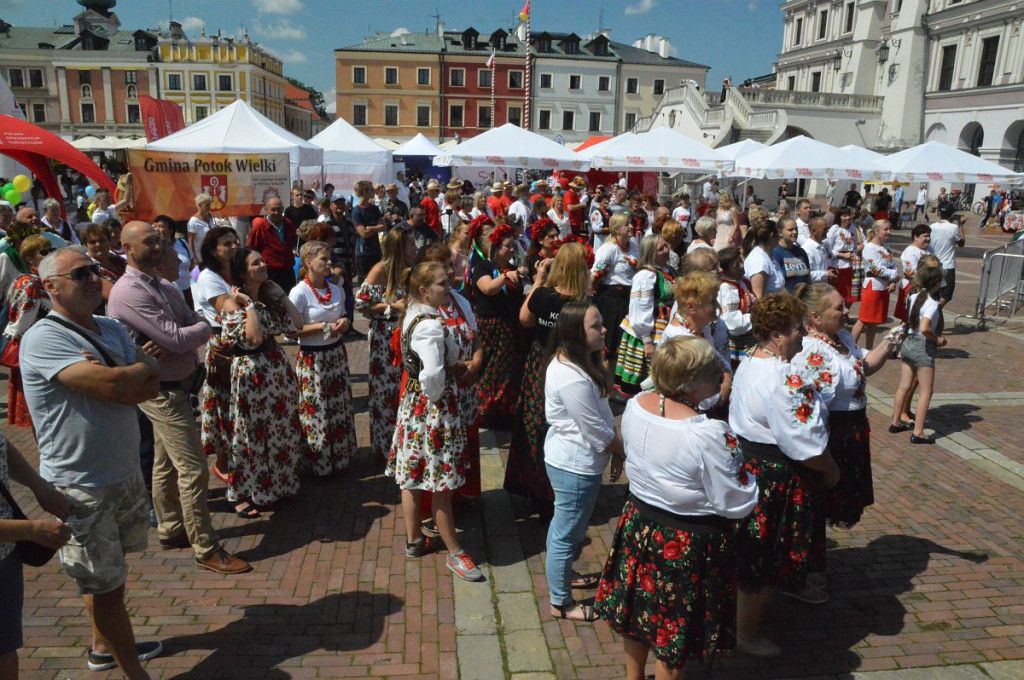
{"points": [[779, 418], [560, 280], [650, 305], [543, 236], [497, 294], [381, 298]]}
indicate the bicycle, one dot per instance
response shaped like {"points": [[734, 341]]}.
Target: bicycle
{"points": [[979, 207]]}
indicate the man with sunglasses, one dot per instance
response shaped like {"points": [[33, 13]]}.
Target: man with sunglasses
{"points": [[82, 376], [154, 310]]}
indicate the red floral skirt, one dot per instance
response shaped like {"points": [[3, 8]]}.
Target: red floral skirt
{"points": [[502, 376], [849, 441]]}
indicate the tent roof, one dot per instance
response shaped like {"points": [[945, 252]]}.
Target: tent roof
{"points": [[591, 141], [741, 148], [418, 146], [659, 149], [343, 135], [510, 145], [805, 157], [937, 162], [92, 143], [239, 128]]}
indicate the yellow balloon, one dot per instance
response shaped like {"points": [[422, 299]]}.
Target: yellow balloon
{"points": [[22, 183]]}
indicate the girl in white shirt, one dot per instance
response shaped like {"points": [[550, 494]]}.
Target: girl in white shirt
{"points": [[881, 271], [581, 440], [559, 216], [911, 255]]}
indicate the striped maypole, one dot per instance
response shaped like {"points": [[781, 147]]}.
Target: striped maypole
{"points": [[525, 15]]}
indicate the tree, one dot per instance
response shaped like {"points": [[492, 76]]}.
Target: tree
{"points": [[316, 98]]}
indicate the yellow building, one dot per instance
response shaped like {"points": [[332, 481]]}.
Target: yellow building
{"points": [[206, 73]]}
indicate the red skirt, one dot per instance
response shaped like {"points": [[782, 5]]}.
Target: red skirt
{"points": [[874, 305], [844, 284], [901, 302]]}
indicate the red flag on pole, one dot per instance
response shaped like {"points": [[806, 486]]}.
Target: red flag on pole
{"points": [[525, 14], [160, 117]]}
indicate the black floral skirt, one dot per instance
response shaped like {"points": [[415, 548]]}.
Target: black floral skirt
{"points": [[784, 537], [525, 474], [849, 441], [502, 375], [671, 589]]}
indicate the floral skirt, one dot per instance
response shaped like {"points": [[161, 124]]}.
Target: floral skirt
{"points": [[849, 441], [671, 589], [784, 537], [215, 404], [17, 408], [525, 474], [501, 379], [384, 380], [429, 441], [325, 408]]}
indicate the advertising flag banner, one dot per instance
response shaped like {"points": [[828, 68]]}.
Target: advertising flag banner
{"points": [[165, 182], [160, 117]]}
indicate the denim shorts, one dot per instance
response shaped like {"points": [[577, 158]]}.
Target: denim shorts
{"points": [[106, 522], [918, 351], [12, 598]]}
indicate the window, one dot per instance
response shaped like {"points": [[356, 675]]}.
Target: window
{"points": [[483, 116], [543, 120], [84, 78], [947, 67], [173, 81], [791, 83], [989, 51], [595, 121], [132, 92], [17, 77], [391, 115], [484, 77], [630, 121], [39, 113], [390, 76], [572, 47], [224, 83], [457, 77], [140, 44], [423, 76], [199, 81], [897, 5], [601, 48], [423, 115], [575, 82], [359, 75], [816, 81], [359, 114], [201, 112], [35, 77], [568, 120], [515, 80], [86, 91], [88, 113], [848, 24], [545, 81], [632, 85], [469, 41], [659, 86], [544, 45], [133, 114], [822, 24], [131, 78], [455, 117], [798, 32], [604, 83], [515, 115]]}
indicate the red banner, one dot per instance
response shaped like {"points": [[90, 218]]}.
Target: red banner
{"points": [[160, 117]]}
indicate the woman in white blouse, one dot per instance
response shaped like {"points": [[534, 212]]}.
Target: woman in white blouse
{"points": [[911, 255], [581, 440], [881, 271], [841, 241], [759, 266], [779, 418], [559, 216], [669, 579], [615, 264], [735, 301]]}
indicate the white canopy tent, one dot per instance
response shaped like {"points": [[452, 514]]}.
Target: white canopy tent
{"points": [[92, 144], [418, 146], [510, 146], [805, 158], [349, 156], [239, 128], [660, 149], [937, 162], [388, 144], [741, 148]]}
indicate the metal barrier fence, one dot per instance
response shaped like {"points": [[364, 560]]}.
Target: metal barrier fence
{"points": [[1001, 293]]}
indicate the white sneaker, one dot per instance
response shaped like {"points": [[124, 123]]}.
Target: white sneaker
{"points": [[463, 566], [762, 648]]}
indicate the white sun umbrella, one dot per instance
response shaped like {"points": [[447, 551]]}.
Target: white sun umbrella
{"points": [[741, 148], [660, 149], [92, 143], [803, 157], [511, 146], [937, 162]]}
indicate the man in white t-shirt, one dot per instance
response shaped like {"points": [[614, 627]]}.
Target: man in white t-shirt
{"points": [[921, 204], [818, 255], [803, 221], [947, 236], [705, 191]]}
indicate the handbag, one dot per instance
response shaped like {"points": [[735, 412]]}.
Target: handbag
{"points": [[33, 554]]}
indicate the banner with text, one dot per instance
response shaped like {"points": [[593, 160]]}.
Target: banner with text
{"points": [[165, 182]]}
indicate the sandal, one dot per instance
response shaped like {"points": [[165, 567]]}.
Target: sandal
{"points": [[587, 611], [584, 581], [217, 473], [247, 510]]}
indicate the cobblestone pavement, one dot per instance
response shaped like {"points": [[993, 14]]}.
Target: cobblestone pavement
{"points": [[929, 585]]}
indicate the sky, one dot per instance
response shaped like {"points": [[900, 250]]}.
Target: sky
{"points": [[736, 38]]}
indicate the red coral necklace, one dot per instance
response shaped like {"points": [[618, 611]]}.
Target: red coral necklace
{"points": [[322, 299]]}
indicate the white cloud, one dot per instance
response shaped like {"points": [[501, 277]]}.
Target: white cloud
{"points": [[190, 24], [294, 57], [752, 5], [277, 6], [279, 30], [641, 7]]}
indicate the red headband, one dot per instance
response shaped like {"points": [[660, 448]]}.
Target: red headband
{"points": [[499, 234], [476, 227], [537, 230]]}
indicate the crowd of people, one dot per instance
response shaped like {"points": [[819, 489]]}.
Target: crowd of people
{"points": [[722, 329]]}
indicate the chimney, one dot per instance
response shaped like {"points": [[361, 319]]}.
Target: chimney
{"points": [[440, 29], [649, 42], [663, 47]]}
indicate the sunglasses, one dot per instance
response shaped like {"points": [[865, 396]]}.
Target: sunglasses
{"points": [[82, 273]]}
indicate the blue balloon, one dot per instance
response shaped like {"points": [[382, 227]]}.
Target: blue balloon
{"points": [[90, 190]]}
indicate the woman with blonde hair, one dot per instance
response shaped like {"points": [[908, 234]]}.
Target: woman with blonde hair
{"points": [[381, 298], [559, 216], [615, 264], [881, 272], [200, 223], [564, 278], [727, 218], [707, 234]]}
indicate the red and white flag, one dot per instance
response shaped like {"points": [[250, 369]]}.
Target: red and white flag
{"points": [[490, 61]]}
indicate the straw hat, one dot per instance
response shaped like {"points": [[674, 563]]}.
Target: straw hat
{"points": [[433, 184], [497, 188], [454, 184]]}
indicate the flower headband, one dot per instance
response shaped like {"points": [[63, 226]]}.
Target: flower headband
{"points": [[580, 240], [499, 234], [476, 227], [537, 230]]}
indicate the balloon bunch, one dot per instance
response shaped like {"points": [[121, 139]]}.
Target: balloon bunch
{"points": [[13, 190]]}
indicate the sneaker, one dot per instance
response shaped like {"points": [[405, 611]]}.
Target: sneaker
{"points": [[424, 546], [223, 562], [762, 648], [103, 662], [463, 566], [429, 528]]}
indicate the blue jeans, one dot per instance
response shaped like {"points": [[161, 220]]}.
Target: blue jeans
{"points": [[575, 498]]}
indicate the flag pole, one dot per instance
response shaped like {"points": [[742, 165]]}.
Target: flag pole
{"points": [[494, 74], [526, 79]]}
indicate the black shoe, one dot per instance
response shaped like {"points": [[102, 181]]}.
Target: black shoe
{"points": [[914, 439], [102, 662], [176, 542], [902, 427]]}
